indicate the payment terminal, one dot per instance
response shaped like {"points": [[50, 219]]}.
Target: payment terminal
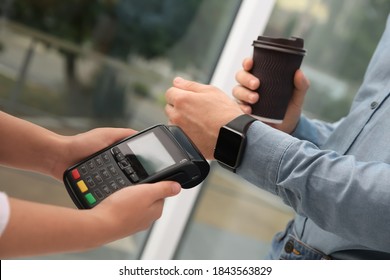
{"points": [[154, 154]]}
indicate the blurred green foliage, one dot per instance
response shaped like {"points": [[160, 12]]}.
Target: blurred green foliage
{"points": [[340, 37], [114, 27]]}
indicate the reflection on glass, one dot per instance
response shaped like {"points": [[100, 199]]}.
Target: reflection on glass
{"points": [[234, 220], [340, 37], [75, 65]]}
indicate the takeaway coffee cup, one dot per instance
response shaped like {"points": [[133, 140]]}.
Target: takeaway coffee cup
{"points": [[275, 61]]}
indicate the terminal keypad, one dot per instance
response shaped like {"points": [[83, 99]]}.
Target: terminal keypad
{"points": [[104, 174]]}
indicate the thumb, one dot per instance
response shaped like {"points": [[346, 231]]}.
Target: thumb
{"points": [[301, 84], [163, 189], [300, 81], [187, 85], [116, 134]]}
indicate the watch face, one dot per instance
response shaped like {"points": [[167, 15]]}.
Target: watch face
{"points": [[228, 146]]}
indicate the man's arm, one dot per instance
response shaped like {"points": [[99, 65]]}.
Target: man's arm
{"points": [[340, 194]]}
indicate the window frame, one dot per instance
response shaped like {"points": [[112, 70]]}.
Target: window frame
{"points": [[250, 21]]}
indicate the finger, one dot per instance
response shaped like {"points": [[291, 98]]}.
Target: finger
{"points": [[189, 85], [163, 189], [168, 96], [247, 79], [170, 112], [112, 134], [244, 95], [300, 81], [247, 64], [174, 94], [301, 84], [246, 108]]}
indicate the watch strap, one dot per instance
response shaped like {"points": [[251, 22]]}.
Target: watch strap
{"points": [[241, 123]]}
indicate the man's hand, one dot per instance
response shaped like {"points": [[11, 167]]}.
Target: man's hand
{"points": [[246, 94], [200, 110]]}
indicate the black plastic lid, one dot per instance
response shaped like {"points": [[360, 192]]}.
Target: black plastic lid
{"points": [[292, 44]]}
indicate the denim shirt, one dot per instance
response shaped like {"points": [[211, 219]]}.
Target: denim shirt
{"points": [[335, 176]]}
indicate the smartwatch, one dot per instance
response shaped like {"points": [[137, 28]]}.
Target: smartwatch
{"points": [[231, 142]]}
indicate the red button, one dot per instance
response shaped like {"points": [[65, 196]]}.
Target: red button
{"points": [[75, 174]]}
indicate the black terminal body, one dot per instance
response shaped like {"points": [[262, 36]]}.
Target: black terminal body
{"points": [[159, 153]]}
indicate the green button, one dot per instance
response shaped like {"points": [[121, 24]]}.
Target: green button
{"points": [[89, 197]]}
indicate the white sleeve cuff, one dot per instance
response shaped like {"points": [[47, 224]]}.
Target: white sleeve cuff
{"points": [[4, 212]]}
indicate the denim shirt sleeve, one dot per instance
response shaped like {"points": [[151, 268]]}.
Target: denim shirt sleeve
{"points": [[333, 190], [315, 131]]}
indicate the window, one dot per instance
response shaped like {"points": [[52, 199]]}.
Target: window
{"points": [[235, 220], [74, 65], [340, 37]]}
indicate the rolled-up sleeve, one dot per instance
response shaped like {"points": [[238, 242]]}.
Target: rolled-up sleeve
{"points": [[314, 131], [339, 193]]}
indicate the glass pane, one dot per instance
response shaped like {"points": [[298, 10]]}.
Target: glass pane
{"points": [[235, 220], [232, 220], [74, 65], [340, 37]]}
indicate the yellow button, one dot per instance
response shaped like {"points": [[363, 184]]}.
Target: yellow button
{"points": [[82, 186]]}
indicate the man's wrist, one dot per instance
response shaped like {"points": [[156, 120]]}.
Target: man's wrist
{"points": [[231, 142]]}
